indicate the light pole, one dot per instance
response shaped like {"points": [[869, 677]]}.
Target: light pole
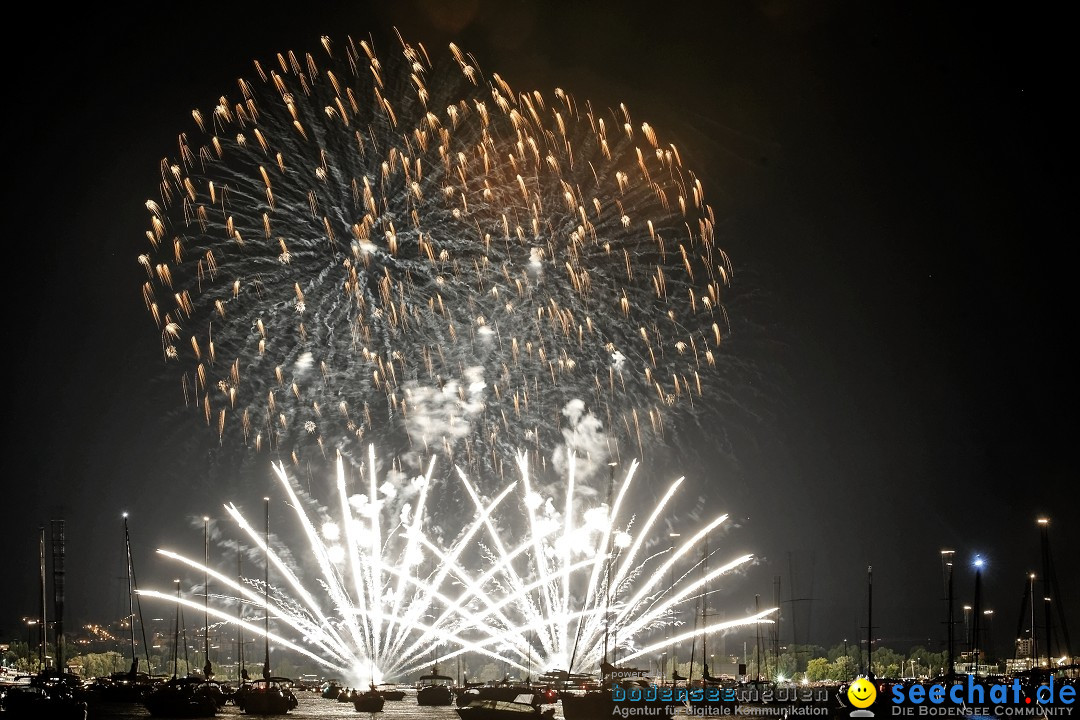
{"points": [[30, 623], [1044, 529], [975, 613], [947, 559], [967, 627], [989, 633], [1031, 601]]}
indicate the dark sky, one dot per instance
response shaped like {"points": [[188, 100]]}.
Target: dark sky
{"points": [[893, 182]]}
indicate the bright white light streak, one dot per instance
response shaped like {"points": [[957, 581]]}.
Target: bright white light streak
{"points": [[380, 617]]}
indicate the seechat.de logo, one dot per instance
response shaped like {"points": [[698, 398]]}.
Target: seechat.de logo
{"points": [[861, 693]]}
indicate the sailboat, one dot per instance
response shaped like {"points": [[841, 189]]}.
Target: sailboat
{"points": [[622, 689], [180, 697], [131, 686], [241, 670], [269, 695], [712, 698], [208, 669], [51, 693]]}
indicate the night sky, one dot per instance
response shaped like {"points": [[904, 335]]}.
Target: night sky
{"points": [[893, 186]]}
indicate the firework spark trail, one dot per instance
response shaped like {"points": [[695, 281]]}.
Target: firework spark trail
{"points": [[555, 645], [254, 629], [403, 609], [357, 649], [473, 587], [355, 228], [448, 563], [414, 536]]}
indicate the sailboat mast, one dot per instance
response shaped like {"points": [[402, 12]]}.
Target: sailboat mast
{"points": [[187, 656], [870, 619], [757, 646], [704, 618], [208, 670], [43, 628], [266, 592], [133, 592], [239, 618], [607, 573], [131, 601], [671, 625], [176, 633], [776, 627]]}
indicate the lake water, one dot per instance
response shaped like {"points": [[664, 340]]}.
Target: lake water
{"points": [[311, 706]]}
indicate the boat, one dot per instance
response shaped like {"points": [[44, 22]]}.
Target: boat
{"points": [[519, 708], [266, 696], [216, 691], [473, 692], [181, 697], [208, 669], [554, 680], [435, 689], [331, 689], [120, 688], [389, 691], [132, 686], [712, 695], [371, 701], [48, 695], [622, 691], [270, 695]]}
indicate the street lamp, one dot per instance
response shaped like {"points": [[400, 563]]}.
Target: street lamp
{"points": [[30, 623], [947, 559], [1034, 640], [1044, 534], [975, 639], [989, 633], [967, 626]]}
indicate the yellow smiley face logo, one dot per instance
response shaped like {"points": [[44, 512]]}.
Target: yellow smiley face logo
{"points": [[861, 693]]}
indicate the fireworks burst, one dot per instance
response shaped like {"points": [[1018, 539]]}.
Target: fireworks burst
{"points": [[394, 599], [407, 251]]}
